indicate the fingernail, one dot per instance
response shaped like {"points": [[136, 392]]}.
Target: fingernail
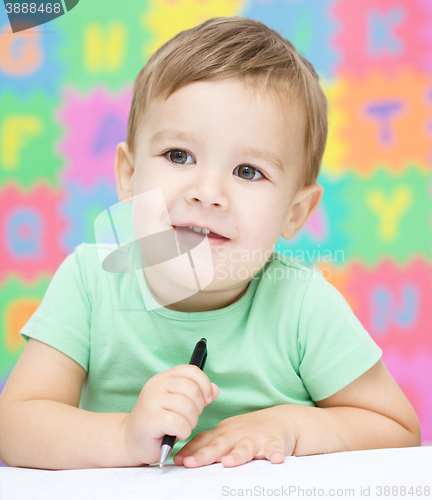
{"points": [[209, 399], [179, 457]]}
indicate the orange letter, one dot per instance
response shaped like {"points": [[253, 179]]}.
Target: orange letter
{"points": [[23, 61]]}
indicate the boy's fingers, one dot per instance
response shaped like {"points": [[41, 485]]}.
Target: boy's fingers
{"points": [[199, 441], [181, 405], [208, 454], [274, 452], [178, 425], [194, 373], [244, 451], [215, 390], [188, 388]]}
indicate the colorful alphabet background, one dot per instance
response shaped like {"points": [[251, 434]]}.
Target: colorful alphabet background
{"points": [[64, 99]]}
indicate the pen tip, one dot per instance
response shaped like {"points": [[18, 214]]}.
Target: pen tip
{"points": [[160, 464]]}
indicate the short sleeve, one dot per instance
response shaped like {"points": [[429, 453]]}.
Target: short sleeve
{"points": [[334, 347], [63, 318]]}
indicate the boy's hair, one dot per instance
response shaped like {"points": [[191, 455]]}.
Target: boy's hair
{"points": [[240, 48]]}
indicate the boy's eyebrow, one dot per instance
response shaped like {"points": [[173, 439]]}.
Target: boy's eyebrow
{"points": [[261, 154], [179, 135], [167, 134]]}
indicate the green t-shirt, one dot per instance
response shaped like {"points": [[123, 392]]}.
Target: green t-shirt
{"points": [[290, 339]]}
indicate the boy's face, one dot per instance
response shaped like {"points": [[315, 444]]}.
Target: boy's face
{"points": [[215, 180]]}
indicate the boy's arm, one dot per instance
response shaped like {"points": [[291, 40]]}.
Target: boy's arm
{"points": [[42, 434], [41, 425], [370, 413]]}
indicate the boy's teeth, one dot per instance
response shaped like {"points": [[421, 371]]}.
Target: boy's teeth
{"points": [[199, 230]]}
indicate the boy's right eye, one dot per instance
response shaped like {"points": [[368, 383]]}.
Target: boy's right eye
{"points": [[176, 154]]}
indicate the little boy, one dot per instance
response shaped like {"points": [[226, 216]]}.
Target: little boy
{"points": [[229, 123]]}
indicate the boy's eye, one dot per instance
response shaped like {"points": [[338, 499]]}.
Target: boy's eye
{"points": [[177, 154], [249, 172], [181, 155]]}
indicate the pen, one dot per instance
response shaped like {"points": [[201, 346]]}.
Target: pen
{"points": [[198, 358]]}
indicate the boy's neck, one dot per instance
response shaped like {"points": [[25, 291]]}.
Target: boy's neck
{"points": [[198, 302]]}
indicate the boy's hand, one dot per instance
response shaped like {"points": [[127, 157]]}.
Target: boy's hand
{"points": [[264, 434], [169, 403]]}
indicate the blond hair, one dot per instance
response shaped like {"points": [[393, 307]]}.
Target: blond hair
{"points": [[241, 48]]}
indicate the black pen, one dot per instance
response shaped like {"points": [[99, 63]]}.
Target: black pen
{"points": [[198, 358]]}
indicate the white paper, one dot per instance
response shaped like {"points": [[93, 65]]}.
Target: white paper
{"points": [[351, 474]]}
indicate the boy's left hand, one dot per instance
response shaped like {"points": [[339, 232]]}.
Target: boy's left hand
{"points": [[264, 434]]}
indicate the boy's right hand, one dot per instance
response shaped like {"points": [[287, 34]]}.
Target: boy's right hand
{"points": [[169, 403]]}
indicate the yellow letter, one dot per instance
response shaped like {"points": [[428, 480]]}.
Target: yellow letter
{"points": [[104, 52], [13, 132], [389, 212]]}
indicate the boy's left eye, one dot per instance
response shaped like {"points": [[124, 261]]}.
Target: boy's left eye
{"points": [[180, 154]]}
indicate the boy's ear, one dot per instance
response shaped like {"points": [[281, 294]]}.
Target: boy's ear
{"points": [[124, 169], [303, 205]]}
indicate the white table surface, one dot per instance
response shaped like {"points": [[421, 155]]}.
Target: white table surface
{"points": [[356, 474]]}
